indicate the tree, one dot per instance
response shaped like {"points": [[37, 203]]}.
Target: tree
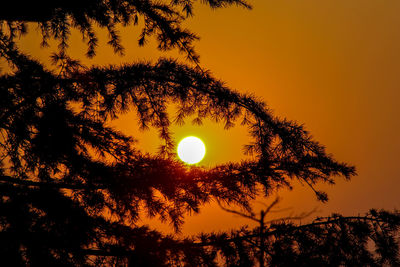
{"points": [[72, 187]]}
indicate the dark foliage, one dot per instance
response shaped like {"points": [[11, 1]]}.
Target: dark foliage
{"points": [[161, 19], [73, 189]]}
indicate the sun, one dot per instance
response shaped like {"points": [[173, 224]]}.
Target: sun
{"points": [[191, 150]]}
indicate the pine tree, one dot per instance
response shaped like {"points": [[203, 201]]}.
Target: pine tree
{"points": [[72, 187]]}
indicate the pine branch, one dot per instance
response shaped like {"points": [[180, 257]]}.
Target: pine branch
{"points": [[161, 20], [59, 185], [294, 228]]}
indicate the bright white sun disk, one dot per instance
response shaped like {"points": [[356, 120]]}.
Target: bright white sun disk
{"points": [[191, 150]]}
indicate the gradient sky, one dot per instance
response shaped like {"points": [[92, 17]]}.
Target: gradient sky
{"points": [[333, 66]]}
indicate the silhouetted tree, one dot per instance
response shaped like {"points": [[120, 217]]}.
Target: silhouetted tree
{"points": [[72, 188]]}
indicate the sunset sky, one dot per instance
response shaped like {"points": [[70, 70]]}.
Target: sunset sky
{"points": [[333, 66]]}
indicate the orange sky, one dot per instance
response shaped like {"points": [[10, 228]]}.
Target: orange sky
{"points": [[332, 65]]}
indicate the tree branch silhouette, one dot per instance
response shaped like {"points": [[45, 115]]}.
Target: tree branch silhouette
{"points": [[73, 189]]}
